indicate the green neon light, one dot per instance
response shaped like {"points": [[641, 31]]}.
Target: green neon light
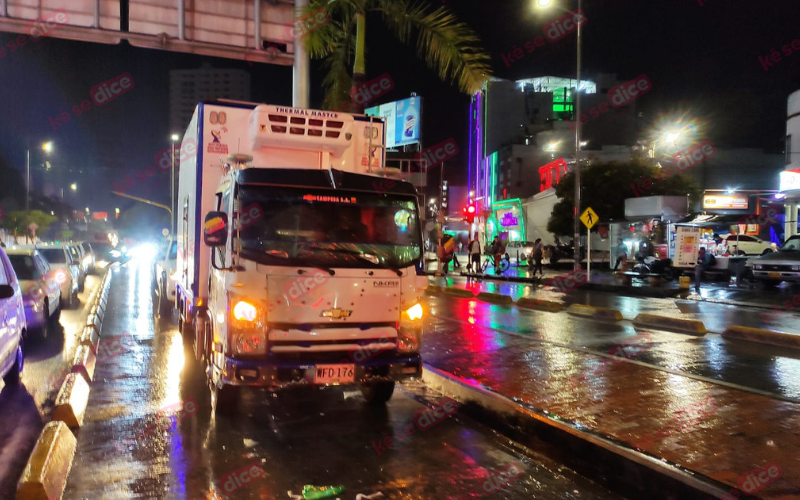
{"points": [[505, 204]]}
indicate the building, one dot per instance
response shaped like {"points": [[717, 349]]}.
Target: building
{"points": [[187, 87], [790, 177]]}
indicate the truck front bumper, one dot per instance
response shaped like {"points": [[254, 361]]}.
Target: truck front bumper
{"points": [[277, 374]]}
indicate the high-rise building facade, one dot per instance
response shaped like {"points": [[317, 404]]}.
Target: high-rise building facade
{"points": [[187, 87]]}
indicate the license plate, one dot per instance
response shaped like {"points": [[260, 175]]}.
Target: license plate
{"points": [[774, 275], [334, 374]]}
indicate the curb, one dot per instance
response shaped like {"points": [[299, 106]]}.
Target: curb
{"points": [[459, 292], [45, 474], [748, 334], [492, 404], [594, 312], [690, 326], [72, 401], [540, 305], [495, 298]]}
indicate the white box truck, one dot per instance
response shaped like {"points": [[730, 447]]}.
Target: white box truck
{"points": [[297, 252]]}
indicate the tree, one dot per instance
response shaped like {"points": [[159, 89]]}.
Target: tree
{"points": [[605, 186], [448, 47], [19, 221]]}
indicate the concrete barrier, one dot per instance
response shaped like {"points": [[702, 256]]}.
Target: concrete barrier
{"points": [[459, 292], [690, 326], [70, 406], [594, 312], [495, 298], [84, 363], [45, 474], [540, 305], [94, 322], [762, 336], [90, 338]]}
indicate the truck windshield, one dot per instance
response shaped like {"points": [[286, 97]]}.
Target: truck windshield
{"points": [[331, 228]]}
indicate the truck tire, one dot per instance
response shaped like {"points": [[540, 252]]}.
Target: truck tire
{"points": [[225, 399], [377, 393]]}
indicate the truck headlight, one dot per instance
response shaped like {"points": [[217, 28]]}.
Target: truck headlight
{"points": [[409, 332], [250, 343], [244, 311]]}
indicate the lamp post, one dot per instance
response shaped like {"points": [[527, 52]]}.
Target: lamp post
{"points": [[174, 138], [576, 226]]}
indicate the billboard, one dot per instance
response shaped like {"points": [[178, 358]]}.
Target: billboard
{"points": [[403, 119], [725, 202]]}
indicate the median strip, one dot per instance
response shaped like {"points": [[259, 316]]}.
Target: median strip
{"points": [[72, 400], [690, 326], [762, 336], [495, 298], [540, 305], [594, 312], [45, 474]]}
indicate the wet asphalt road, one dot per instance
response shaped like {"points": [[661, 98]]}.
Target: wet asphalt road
{"points": [[298, 437], [760, 368], [25, 410]]}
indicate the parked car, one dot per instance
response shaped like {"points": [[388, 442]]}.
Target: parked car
{"points": [[83, 266], [89, 257], [60, 259], [41, 291], [749, 245], [12, 323], [164, 266], [783, 265], [522, 248]]}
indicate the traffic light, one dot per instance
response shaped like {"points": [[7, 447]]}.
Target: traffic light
{"points": [[469, 213]]}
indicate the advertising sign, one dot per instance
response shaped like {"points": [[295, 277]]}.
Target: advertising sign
{"points": [[790, 180], [725, 202], [403, 120], [687, 246]]}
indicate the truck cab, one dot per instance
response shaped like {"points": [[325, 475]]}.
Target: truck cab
{"points": [[305, 270]]}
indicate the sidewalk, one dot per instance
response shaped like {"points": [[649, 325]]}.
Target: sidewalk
{"points": [[713, 430]]}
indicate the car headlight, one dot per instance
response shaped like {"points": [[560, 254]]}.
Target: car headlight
{"points": [[795, 268], [758, 266]]}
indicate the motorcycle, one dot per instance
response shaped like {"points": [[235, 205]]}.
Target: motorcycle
{"points": [[653, 265]]}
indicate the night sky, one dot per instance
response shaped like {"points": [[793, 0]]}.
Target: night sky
{"points": [[703, 62]]}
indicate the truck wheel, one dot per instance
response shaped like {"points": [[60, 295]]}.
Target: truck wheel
{"points": [[163, 302], [225, 399], [377, 393]]}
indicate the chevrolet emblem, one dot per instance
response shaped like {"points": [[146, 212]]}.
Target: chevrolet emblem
{"points": [[336, 313]]}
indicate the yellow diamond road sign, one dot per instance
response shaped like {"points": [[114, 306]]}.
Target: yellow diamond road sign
{"points": [[589, 218]]}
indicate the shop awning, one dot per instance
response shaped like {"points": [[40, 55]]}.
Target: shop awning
{"points": [[708, 220]]}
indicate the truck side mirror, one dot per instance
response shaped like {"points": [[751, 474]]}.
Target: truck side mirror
{"points": [[215, 229]]}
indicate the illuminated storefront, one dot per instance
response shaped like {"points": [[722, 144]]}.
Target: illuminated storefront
{"points": [[507, 221]]}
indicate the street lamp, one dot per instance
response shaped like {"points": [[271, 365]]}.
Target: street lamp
{"points": [[576, 226]]}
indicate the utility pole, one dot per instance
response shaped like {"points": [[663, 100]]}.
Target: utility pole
{"points": [[577, 243]]}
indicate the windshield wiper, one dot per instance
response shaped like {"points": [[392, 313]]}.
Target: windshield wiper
{"points": [[372, 259]]}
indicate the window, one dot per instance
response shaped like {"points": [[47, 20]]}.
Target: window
{"points": [[6, 273]]}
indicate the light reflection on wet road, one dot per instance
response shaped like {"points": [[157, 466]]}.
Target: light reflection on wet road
{"points": [[297, 437], [25, 410]]}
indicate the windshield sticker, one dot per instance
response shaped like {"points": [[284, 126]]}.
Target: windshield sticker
{"points": [[401, 218], [330, 199]]}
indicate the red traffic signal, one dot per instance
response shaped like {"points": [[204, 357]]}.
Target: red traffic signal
{"points": [[469, 213]]}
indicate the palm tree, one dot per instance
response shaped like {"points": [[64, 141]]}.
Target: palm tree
{"points": [[448, 46]]}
